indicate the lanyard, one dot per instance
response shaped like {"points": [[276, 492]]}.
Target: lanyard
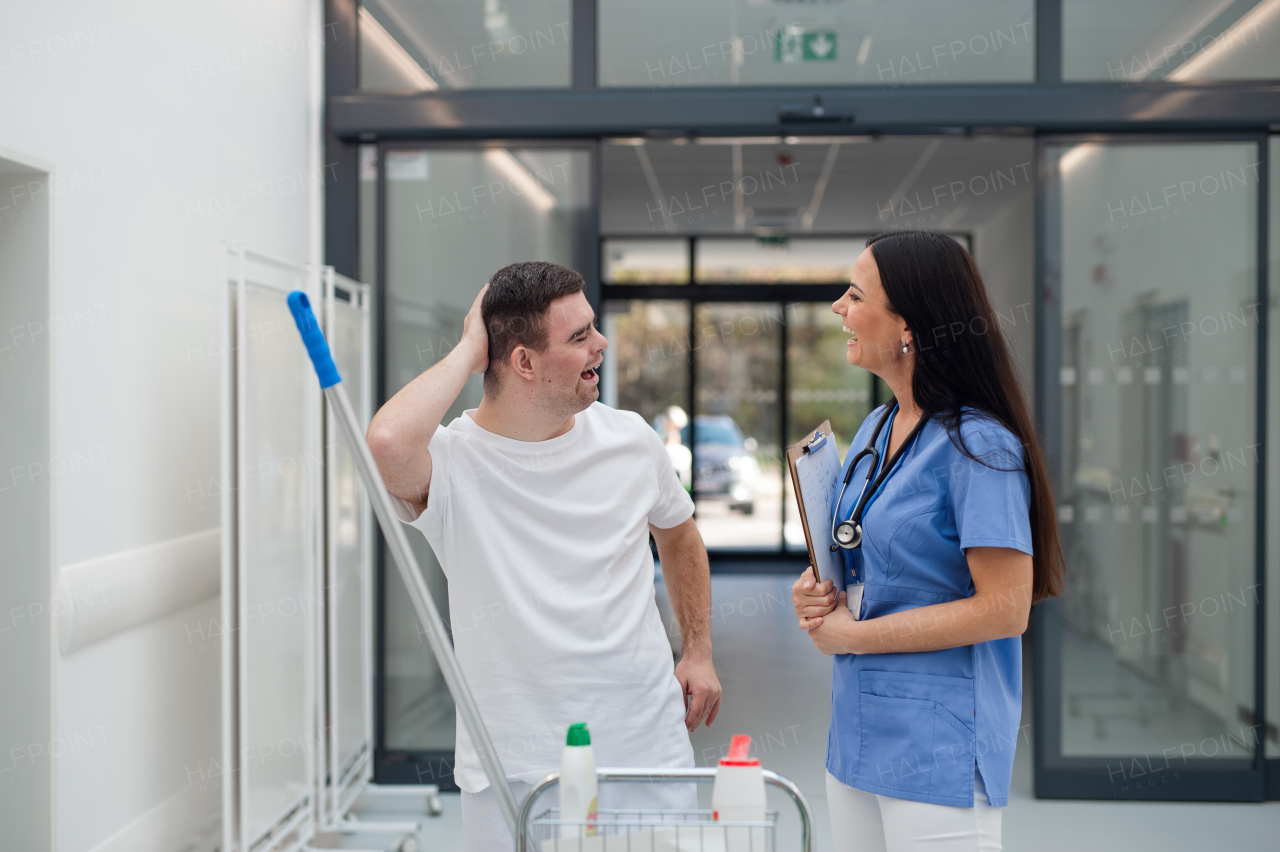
{"points": [[893, 463]]}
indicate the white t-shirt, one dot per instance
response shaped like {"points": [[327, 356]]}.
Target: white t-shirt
{"points": [[546, 548]]}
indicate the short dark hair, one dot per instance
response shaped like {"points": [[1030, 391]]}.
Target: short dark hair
{"points": [[515, 308]]}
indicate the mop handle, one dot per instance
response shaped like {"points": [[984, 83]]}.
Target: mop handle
{"points": [[416, 584]]}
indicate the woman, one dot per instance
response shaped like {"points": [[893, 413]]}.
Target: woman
{"points": [[949, 528]]}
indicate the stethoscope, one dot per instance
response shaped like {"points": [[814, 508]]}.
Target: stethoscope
{"points": [[848, 533]]}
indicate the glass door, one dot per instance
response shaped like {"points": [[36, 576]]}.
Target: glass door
{"points": [[449, 216], [738, 330], [1150, 392]]}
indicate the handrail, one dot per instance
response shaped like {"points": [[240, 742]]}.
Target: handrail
{"points": [[106, 595]]}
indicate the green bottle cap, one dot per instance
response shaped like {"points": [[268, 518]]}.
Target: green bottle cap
{"points": [[578, 735]]}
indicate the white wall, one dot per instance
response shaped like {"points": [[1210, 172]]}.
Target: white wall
{"points": [[169, 128]]}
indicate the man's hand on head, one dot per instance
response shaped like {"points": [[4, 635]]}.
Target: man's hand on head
{"points": [[698, 679], [475, 337]]}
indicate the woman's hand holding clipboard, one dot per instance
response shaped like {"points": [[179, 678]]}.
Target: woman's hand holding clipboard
{"points": [[814, 463]]}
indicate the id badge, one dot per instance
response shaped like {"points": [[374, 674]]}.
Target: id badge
{"points": [[854, 593]]}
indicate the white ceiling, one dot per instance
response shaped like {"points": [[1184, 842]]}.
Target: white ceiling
{"points": [[858, 185]]}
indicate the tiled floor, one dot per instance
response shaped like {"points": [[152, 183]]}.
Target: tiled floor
{"points": [[777, 689]]}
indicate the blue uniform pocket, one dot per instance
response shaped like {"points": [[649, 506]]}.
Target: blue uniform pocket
{"points": [[912, 743], [918, 531]]}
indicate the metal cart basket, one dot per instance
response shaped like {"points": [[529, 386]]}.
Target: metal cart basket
{"points": [[639, 830]]}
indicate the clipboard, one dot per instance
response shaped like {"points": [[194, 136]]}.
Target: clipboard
{"points": [[814, 464]]}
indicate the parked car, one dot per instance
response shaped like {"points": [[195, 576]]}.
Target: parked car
{"points": [[725, 466]]}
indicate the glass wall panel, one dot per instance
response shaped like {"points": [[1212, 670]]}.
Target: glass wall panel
{"points": [[625, 261], [1185, 40], [737, 467], [646, 370], [425, 45], [277, 460], [661, 44], [786, 261], [821, 385], [454, 216], [1156, 453]]}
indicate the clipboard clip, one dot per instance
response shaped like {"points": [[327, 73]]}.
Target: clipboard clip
{"points": [[816, 444]]}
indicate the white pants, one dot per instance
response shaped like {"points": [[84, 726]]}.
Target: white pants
{"points": [[484, 830], [867, 822]]}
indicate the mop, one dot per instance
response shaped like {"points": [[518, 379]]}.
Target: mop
{"points": [[353, 434]]}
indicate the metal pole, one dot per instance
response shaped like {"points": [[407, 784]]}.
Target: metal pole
{"points": [[409, 571]]}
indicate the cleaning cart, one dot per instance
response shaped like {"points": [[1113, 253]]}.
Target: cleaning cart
{"points": [[631, 830]]}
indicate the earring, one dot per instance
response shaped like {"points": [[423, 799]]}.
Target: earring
{"points": [[904, 348]]}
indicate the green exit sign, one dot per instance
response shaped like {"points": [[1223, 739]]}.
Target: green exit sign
{"points": [[798, 44]]}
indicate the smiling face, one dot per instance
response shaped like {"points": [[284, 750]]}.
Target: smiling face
{"points": [[564, 372], [877, 332]]}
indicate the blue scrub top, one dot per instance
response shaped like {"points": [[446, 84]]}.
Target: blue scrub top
{"points": [[912, 726]]}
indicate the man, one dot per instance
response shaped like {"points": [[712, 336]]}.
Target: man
{"points": [[539, 504], [681, 456]]}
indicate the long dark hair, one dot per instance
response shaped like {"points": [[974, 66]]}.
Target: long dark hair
{"points": [[962, 360]]}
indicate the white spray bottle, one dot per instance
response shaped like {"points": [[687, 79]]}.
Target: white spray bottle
{"points": [[578, 783]]}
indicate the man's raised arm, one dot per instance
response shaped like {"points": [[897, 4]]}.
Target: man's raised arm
{"points": [[400, 431]]}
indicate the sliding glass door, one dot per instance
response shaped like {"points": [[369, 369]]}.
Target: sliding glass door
{"points": [[1150, 381]]}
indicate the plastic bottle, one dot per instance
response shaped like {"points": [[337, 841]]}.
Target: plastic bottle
{"points": [[578, 783], [738, 796]]}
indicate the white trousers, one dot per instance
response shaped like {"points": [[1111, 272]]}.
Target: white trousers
{"points": [[867, 822], [484, 830]]}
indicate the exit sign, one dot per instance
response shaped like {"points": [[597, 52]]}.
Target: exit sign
{"points": [[797, 44]]}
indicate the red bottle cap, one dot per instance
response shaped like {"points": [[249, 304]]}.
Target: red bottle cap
{"points": [[739, 747]]}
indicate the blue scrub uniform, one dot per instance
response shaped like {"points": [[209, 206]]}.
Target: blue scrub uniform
{"points": [[911, 726]]}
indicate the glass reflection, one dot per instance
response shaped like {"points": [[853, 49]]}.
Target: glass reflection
{"points": [[426, 45], [1158, 455], [1156, 40]]}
